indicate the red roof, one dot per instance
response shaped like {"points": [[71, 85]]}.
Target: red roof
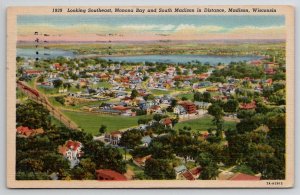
{"points": [[120, 108], [242, 176], [72, 144], [167, 121], [203, 76], [195, 171], [108, 174], [115, 133], [246, 106], [33, 71], [141, 161], [127, 98], [186, 103], [24, 130], [188, 175], [155, 107]]}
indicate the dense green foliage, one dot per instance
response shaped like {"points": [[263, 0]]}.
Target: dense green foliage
{"points": [[37, 157]]}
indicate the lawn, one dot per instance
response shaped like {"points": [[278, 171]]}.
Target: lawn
{"points": [[189, 96], [160, 92], [91, 122], [203, 124], [77, 106], [102, 84]]}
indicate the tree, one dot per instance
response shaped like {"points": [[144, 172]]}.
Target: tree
{"points": [[57, 83], [130, 139], [33, 115], [209, 166], [158, 117], [134, 93], [173, 103], [184, 98], [60, 99], [217, 112], [149, 97], [102, 129], [198, 96], [206, 97], [231, 106], [143, 120], [159, 169], [177, 84]]}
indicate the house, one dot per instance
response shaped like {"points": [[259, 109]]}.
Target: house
{"points": [[179, 170], [47, 84], [140, 161], [154, 109], [104, 77], [120, 94], [32, 72], [113, 137], [191, 174], [108, 174], [256, 62], [270, 71], [188, 106], [166, 122], [57, 66], [178, 109], [203, 76], [24, 131], [269, 82], [204, 84], [27, 132], [71, 150], [202, 105], [126, 111], [248, 106], [146, 140]]}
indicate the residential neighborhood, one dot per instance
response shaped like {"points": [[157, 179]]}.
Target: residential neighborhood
{"points": [[160, 120]]}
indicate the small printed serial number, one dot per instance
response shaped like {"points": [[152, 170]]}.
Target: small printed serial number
{"points": [[274, 183]]}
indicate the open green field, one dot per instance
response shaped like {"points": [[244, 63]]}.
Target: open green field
{"points": [[91, 122], [160, 92], [189, 96], [104, 84], [203, 124]]}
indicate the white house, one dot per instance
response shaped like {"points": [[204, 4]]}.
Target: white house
{"points": [[71, 150]]}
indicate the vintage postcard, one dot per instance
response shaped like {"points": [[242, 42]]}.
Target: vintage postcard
{"points": [[150, 97]]}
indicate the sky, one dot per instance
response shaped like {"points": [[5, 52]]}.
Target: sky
{"points": [[150, 27]]}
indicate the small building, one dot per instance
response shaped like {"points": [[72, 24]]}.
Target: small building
{"points": [[167, 122], [108, 174], [113, 137], [140, 161], [27, 132], [32, 72], [248, 106], [191, 174], [188, 106], [146, 140], [178, 109], [179, 170], [71, 150]]}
